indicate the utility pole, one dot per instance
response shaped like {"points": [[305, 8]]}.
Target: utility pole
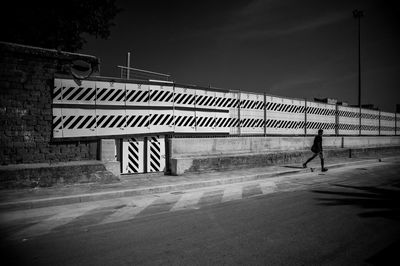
{"points": [[358, 14], [128, 64]]}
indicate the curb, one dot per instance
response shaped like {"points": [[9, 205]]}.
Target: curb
{"points": [[57, 201]]}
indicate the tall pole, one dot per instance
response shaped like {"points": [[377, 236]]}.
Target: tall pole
{"points": [[358, 14], [128, 64]]}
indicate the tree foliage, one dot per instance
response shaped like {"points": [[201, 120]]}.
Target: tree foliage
{"points": [[57, 24]]}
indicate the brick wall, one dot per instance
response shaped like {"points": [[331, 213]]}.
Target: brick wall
{"points": [[26, 81]]}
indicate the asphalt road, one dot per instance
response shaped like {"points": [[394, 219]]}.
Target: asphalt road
{"points": [[348, 216]]}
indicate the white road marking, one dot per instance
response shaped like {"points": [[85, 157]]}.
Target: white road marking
{"points": [[267, 187], [46, 225], [232, 193], [189, 200], [133, 208]]}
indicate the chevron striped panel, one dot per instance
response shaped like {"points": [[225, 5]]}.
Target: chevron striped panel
{"points": [[234, 114], [184, 97], [369, 122], [184, 121], [348, 120], [110, 93], [320, 116], [110, 122], [161, 96], [225, 100], [137, 94], [205, 121], [161, 121], [251, 101], [74, 93], [284, 116], [133, 156], [251, 113], [137, 122], [222, 122], [387, 123], [206, 99], [78, 122], [156, 154]]}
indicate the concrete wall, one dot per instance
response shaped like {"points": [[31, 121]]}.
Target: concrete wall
{"points": [[241, 145], [26, 85], [373, 141], [209, 154]]}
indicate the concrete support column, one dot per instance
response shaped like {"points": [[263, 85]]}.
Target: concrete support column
{"points": [[110, 154]]}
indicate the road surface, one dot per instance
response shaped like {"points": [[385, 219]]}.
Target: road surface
{"points": [[347, 216]]}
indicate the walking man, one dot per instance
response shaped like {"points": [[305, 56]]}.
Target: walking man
{"points": [[317, 150]]}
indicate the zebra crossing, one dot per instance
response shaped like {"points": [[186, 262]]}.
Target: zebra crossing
{"points": [[84, 215], [21, 225]]}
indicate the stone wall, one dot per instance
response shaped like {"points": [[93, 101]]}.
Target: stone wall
{"points": [[26, 82]]}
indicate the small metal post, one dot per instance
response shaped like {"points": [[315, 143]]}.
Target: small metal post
{"points": [[239, 126], [305, 117], [379, 123], [336, 120], [359, 123], [265, 114]]}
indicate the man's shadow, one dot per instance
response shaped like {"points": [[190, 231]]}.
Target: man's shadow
{"points": [[293, 166]]}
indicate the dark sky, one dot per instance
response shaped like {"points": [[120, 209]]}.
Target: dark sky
{"points": [[301, 49]]}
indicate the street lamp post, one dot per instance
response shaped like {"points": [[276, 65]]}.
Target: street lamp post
{"points": [[358, 14]]}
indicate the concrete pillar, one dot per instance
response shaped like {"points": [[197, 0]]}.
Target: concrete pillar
{"points": [[110, 155]]}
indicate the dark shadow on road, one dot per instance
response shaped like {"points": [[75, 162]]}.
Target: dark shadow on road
{"points": [[387, 256], [377, 202], [292, 166]]}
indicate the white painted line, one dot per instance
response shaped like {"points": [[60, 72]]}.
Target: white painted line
{"points": [[188, 201], [268, 187], [133, 208], [232, 193]]}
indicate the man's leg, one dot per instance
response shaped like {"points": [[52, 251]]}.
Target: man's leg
{"points": [[321, 156], [309, 160]]}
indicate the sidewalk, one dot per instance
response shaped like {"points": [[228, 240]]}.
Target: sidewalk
{"points": [[132, 185]]}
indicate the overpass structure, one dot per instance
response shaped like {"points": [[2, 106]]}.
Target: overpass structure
{"points": [[140, 115]]}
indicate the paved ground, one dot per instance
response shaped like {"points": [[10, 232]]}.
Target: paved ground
{"points": [[131, 185], [347, 216], [43, 220]]}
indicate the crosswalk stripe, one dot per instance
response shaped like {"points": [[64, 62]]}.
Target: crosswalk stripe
{"points": [[132, 209], [188, 201], [251, 190], [232, 193], [163, 204], [52, 222], [211, 197], [268, 187]]}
